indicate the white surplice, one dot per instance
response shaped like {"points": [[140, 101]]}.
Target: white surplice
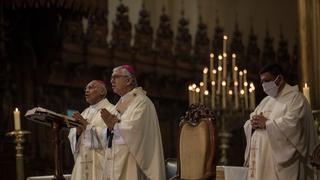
{"points": [[280, 152], [136, 152], [89, 149]]}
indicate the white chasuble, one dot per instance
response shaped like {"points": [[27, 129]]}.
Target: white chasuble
{"points": [[89, 148], [136, 152], [282, 150]]}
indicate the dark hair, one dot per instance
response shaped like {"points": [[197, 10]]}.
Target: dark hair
{"points": [[272, 68]]}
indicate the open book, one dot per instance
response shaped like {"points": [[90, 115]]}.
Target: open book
{"points": [[45, 116]]}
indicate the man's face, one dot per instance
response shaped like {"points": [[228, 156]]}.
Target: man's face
{"points": [[267, 77], [93, 92], [119, 82]]}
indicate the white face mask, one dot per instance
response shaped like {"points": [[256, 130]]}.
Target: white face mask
{"points": [[271, 88]]}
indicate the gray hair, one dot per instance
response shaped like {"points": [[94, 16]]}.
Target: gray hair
{"points": [[127, 73]]}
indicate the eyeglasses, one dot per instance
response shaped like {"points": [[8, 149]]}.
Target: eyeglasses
{"points": [[118, 76]]}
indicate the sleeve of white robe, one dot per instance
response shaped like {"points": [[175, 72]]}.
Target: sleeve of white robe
{"points": [[291, 133], [73, 139]]}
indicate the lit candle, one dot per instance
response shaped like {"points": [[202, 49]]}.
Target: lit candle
{"points": [[194, 86], [225, 38], [306, 92], [205, 78], [219, 74], [252, 97], [206, 94], [224, 66], [190, 94], [240, 79], [236, 95], [85, 25], [197, 95], [230, 93], [16, 115], [224, 94], [233, 67], [241, 98], [201, 92], [211, 66], [213, 94]]}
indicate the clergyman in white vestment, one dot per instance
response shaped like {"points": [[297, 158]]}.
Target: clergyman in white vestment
{"points": [[87, 142], [281, 132], [134, 149]]}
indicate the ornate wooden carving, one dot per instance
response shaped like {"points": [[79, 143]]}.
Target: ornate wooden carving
{"points": [[217, 40], [164, 42], [121, 36], [196, 112], [98, 52], [202, 45], [72, 46], [143, 39], [253, 53], [283, 57], [268, 54], [183, 40], [237, 47]]}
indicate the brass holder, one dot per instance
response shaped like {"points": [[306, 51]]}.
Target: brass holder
{"points": [[19, 140]]}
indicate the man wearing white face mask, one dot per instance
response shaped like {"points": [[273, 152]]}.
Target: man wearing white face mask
{"points": [[280, 132]]}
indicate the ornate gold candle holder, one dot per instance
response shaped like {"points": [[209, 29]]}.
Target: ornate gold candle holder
{"points": [[19, 140]]}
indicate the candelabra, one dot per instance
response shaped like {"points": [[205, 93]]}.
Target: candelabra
{"points": [[231, 98], [19, 139]]}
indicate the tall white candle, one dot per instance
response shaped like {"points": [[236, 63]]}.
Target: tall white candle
{"points": [[236, 95], [224, 66], [233, 67], [197, 95], [224, 94], [306, 92], [16, 115], [213, 95], [219, 74], [246, 99], [225, 38], [240, 80], [201, 92], [252, 96], [190, 94], [205, 78], [211, 66]]}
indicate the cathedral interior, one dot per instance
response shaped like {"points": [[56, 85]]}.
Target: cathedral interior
{"points": [[49, 51]]}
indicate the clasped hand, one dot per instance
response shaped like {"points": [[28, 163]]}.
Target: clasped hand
{"points": [[109, 119], [258, 121], [77, 116]]}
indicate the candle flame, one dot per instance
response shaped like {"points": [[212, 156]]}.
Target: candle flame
{"points": [[16, 110], [230, 92], [242, 92], [245, 83], [234, 55], [224, 83], [235, 68], [225, 37], [219, 68], [206, 92], [305, 85], [219, 57], [190, 87], [240, 73], [194, 86], [245, 71], [213, 83], [235, 83], [211, 55], [224, 54], [198, 90], [205, 70], [201, 84], [214, 71]]}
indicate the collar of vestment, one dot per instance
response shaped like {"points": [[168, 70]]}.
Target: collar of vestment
{"points": [[96, 107], [287, 89], [126, 99]]}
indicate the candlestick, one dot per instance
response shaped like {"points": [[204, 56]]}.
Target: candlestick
{"points": [[194, 86], [190, 94], [205, 77], [233, 67], [246, 100], [223, 94], [16, 115], [206, 94], [240, 79], [197, 95], [219, 74], [213, 95], [201, 92], [252, 97], [224, 66], [236, 95], [211, 66], [225, 38], [306, 92]]}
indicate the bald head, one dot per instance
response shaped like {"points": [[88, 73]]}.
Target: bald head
{"points": [[95, 91]]}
